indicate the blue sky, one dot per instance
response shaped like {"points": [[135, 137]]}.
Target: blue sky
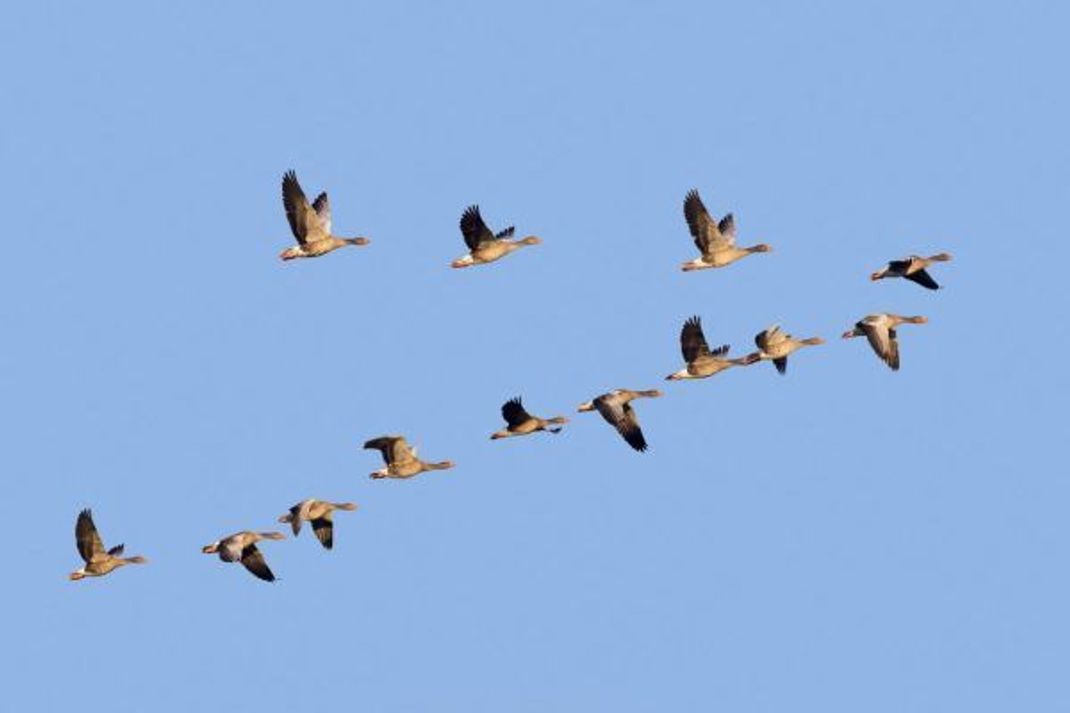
{"points": [[839, 539]]}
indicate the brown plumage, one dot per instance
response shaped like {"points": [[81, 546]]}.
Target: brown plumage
{"points": [[521, 423], [879, 330], [241, 547], [616, 409], [320, 514], [311, 224], [484, 245], [716, 241], [99, 561], [700, 361], [775, 345], [400, 458], [912, 268]]}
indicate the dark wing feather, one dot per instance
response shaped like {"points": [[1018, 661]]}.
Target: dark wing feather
{"points": [[322, 206], [507, 233], [628, 427], [117, 551], [880, 341], [693, 341], [324, 529], [923, 278], [898, 267], [699, 222], [385, 445], [893, 350], [514, 413], [720, 351], [781, 364], [253, 561], [727, 227], [295, 518], [473, 228], [87, 537], [296, 205]]}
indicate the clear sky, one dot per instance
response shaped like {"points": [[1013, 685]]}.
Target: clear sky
{"points": [[839, 539]]}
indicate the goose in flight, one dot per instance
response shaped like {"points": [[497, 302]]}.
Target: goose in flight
{"points": [[241, 547], [319, 513], [311, 224], [400, 458], [879, 330], [521, 423], [98, 560], [483, 244], [716, 241], [775, 345], [700, 361], [616, 409], [913, 269]]}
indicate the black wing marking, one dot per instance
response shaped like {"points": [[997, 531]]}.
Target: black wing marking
{"points": [[628, 427], [693, 341], [703, 230], [924, 279], [253, 560], [295, 203], [117, 551], [781, 364], [473, 228], [87, 537], [514, 413], [324, 529]]}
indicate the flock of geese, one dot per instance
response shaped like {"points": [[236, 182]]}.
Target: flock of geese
{"points": [[716, 243]]}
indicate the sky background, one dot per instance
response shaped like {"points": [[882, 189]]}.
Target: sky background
{"points": [[843, 538]]}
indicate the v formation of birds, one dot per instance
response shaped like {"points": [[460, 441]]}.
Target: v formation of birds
{"points": [[716, 244]]}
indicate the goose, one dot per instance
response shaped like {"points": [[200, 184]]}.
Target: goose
{"points": [[775, 345], [521, 423], [913, 269], [700, 361], [241, 547], [484, 245], [716, 241], [879, 330], [616, 409], [311, 224], [400, 458], [320, 514], [98, 560]]}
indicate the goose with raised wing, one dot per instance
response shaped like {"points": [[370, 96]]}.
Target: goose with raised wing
{"points": [[484, 245], [880, 331], [715, 240], [311, 224], [912, 268], [99, 561], [700, 361], [616, 408], [521, 423], [319, 514], [400, 458], [775, 345], [241, 547]]}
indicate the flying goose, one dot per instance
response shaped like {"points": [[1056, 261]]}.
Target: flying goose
{"points": [[483, 244], [913, 269], [616, 409], [700, 361], [715, 241], [879, 330], [400, 458], [320, 514], [98, 561], [521, 423], [775, 345], [241, 547], [311, 224]]}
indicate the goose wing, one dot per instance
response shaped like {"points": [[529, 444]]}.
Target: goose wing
{"points": [[323, 526], [769, 338], [692, 341], [322, 207], [393, 448], [90, 546], [253, 560], [923, 278], [705, 232], [621, 416], [474, 230], [882, 340], [305, 221], [514, 413]]}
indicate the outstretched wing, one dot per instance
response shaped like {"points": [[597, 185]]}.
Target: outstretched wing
{"points": [[253, 560], [90, 546], [473, 228], [727, 229], [769, 338], [703, 229], [882, 341], [628, 427], [514, 413], [324, 529], [781, 364], [322, 206], [393, 448], [692, 341], [923, 278], [304, 221]]}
